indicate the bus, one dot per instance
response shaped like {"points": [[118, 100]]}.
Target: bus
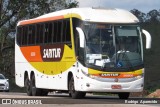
{"points": [[79, 51]]}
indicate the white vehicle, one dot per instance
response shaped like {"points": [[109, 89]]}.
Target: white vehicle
{"points": [[4, 84], [81, 50]]}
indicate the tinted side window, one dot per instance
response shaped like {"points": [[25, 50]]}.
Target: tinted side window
{"points": [[59, 30], [41, 33], [19, 35], [46, 32], [50, 32], [68, 32], [33, 33], [30, 35], [25, 34], [64, 31]]}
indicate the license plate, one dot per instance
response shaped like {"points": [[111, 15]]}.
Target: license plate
{"points": [[116, 87]]}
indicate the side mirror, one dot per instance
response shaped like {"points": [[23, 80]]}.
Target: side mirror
{"points": [[148, 38], [7, 79], [81, 36]]}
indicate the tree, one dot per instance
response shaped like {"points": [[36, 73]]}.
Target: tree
{"points": [[140, 15], [72, 4], [11, 11], [153, 16]]}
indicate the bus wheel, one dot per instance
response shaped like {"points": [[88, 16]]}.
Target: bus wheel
{"points": [[35, 91], [28, 87], [73, 93], [124, 95]]}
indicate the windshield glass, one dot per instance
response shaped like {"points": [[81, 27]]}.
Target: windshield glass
{"points": [[128, 46], [2, 77], [109, 46]]}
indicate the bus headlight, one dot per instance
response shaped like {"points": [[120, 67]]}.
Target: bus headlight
{"points": [[6, 83], [85, 73], [89, 75], [140, 76], [92, 76]]}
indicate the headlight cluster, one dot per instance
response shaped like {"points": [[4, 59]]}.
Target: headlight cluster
{"points": [[6, 83], [140, 76], [133, 77], [89, 75]]}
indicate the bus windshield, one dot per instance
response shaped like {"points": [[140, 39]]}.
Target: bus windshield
{"points": [[113, 46]]}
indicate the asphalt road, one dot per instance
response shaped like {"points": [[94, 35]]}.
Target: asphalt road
{"points": [[60, 100]]}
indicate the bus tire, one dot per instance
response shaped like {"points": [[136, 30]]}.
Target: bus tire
{"points": [[28, 87], [35, 91], [124, 95], [73, 93]]}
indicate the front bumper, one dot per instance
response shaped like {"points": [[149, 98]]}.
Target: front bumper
{"points": [[92, 85], [4, 88]]}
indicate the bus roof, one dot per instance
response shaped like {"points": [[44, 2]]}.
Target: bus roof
{"points": [[109, 15]]}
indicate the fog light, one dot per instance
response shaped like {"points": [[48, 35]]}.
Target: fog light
{"points": [[142, 85], [88, 85]]}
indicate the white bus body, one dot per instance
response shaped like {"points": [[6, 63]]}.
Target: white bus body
{"points": [[51, 52]]}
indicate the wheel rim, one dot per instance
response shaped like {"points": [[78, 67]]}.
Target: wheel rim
{"points": [[72, 87], [72, 90], [33, 86], [28, 85]]}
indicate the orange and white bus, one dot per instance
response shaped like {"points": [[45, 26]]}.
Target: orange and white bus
{"points": [[81, 50]]}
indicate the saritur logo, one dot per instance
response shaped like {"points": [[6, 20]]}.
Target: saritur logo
{"points": [[52, 53]]}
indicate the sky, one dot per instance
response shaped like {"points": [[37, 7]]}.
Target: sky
{"points": [[142, 5]]}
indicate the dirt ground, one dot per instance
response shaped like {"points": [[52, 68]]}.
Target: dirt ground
{"points": [[155, 94]]}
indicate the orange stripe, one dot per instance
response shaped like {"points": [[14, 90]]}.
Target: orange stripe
{"points": [[41, 20], [32, 53]]}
